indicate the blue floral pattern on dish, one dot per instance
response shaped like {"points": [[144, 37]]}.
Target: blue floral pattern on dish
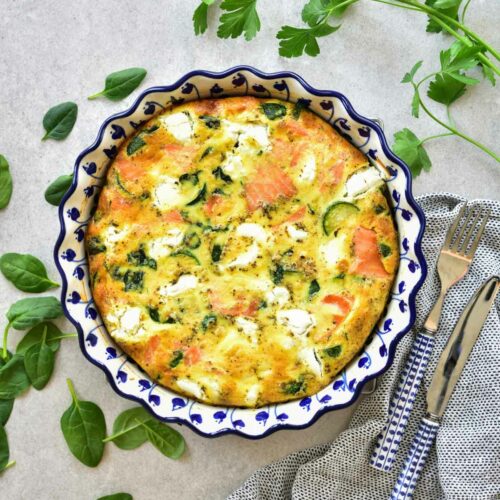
{"points": [[123, 374]]}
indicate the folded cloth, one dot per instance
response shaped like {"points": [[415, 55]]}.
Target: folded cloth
{"points": [[465, 461]]}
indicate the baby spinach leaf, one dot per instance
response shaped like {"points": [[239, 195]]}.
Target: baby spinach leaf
{"points": [[39, 362], [34, 336], [117, 496], [28, 312], [4, 449], [210, 121], [26, 272], [314, 288], [154, 314], [6, 406], [84, 428], [5, 182], [95, 245], [294, 386], [55, 192], [121, 84], [186, 253], [139, 258], [135, 144], [334, 351], [177, 358], [59, 121], [13, 378], [165, 439], [209, 319], [385, 250], [273, 110], [128, 433], [216, 252], [220, 174]]}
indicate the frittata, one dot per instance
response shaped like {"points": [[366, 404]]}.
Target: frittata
{"points": [[241, 251]]}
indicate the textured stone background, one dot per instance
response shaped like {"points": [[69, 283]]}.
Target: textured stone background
{"points": [[55, 50]]}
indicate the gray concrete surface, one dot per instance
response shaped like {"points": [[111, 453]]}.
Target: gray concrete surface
{"points": [[54, 50]]}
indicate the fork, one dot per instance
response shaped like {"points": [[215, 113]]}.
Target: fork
{"points": [[455, 257]]}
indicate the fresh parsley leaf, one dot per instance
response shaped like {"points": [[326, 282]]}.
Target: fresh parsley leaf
{"points": [[411, 74], [450, 11], [240, 17], [409, 148], [459, 57], [316, 11], [488, 74], [295, 41], [200, 21], [445, 89], [415, 105]]}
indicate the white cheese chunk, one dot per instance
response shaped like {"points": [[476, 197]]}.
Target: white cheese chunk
{"points": [[361, 181], [252, 393], [250, 137], [295, 233], [167, 194], [190, 387], [246, 325], [244, 259], [298, 321], [308, 357], [125, 323], [112, 235], [233, 166], [160, 247], [252, 230], [278, 295], [179, 125], [333, 250], [308, 172], [184, 283]]}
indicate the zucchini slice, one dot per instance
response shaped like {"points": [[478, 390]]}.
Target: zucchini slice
{"points": [[336, 214]]}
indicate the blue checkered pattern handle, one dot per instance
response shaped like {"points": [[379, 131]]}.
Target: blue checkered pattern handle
{"points": [[401, 404], [415, 460]]}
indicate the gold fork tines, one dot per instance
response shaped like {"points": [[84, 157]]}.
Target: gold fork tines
{"points": [[459, 247]]}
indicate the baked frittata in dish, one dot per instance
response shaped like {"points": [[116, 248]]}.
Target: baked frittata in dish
{"points": [[241, 251]]}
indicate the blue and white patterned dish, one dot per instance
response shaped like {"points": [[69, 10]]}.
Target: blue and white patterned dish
{"points": [[124, 375]]}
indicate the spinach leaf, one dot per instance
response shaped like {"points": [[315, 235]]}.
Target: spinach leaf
{"points": [[59, 121], [219, 174], [154, 314], [26, 272], [210, 121], [121, 84], [139, 258], [117, 496], [314, 288], [28, 312], [165, 439], [135, 144], [191, 177], [95, 245], [277, 273], [385, 250], [216, 252], [299, 106], [199, 197], [209, 319], [178, 357], [133, 280], [6, 406], [34, 336], [84, 428], [5, 182], [128, 433], [334, 351], [294, 386], [55, 192], [13, 378], [39, 363], [207, 151], [273, 110], [4, 449]]}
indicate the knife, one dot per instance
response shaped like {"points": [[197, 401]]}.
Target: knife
{"points": [[448, 371]]}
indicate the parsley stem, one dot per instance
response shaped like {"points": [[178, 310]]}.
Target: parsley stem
{"points": [[5, 335], [401, 6], [465, 10], [436, 137], [454, 130]]}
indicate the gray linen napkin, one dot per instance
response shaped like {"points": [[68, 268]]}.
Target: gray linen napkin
{"points": [[465, 462]]}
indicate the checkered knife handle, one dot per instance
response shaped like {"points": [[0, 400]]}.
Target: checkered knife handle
{"points": [[402, 402]]}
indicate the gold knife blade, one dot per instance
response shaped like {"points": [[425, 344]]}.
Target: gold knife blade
{"points": [[459, 346]]}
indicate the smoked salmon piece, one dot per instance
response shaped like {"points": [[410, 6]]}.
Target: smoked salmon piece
{"points": [[368, 262], [172, 216], [241, 306], [269, 184], [342, 304]]}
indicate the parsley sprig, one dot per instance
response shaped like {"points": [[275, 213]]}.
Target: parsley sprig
{"points": [[445, 86]]}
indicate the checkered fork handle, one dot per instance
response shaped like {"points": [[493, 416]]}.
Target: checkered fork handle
{"points": [[415, 460], [402, 402]]}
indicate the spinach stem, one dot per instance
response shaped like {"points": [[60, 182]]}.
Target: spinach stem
{"points": [[64, 336], [452, 129], [9, 464], [72, 391], [94, 96], [124, 431], [436, 136], [5, 335]]}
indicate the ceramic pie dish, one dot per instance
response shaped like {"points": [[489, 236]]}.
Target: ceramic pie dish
{"points": [[124, 375]]}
